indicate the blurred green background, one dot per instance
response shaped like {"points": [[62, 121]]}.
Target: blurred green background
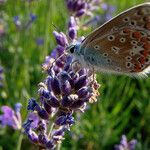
{"points": [[123, 106]]}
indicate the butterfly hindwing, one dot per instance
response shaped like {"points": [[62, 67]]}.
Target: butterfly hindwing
{"points": [[124, 42]]}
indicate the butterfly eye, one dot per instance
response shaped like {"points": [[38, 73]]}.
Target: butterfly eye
{"points": [[72, 49]]}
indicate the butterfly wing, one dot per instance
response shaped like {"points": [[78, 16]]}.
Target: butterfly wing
{"points": [[122, 45]]}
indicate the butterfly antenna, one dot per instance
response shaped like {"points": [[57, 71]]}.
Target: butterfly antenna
{"points": [[55, 27]]}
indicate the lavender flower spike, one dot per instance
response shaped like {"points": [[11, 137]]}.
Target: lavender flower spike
{"points": [[67, 88], [10, 117], [125, 145]]}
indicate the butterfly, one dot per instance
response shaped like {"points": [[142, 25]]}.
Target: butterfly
{"points": [[120, 46]]}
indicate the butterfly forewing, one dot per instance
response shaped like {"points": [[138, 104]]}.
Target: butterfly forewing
{"points": [[123, 43]]}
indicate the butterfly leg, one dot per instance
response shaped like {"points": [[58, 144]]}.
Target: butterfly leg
{"points": [[93, 74]]}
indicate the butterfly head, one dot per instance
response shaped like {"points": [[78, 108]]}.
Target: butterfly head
{"points": [[73, 49]]}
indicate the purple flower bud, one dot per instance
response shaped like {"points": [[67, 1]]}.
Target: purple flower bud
{"points": [[61, 120], [43, 92], [83, 92], [33, 137], [66, 101], [42, 126], [1, 69], [68, 62], [82, 81], [82, 72], [77, 104], [53, 101], [47, 107], [80, 13], [39, 41], [50, 144], [33, 17], [75, 3], [27, 126], [80, 5], [72, 33], [60, 50], [53, 85], [104, 6], [52, 55], [65, 40], [124, 141], [74, 75], [18, 107], [63, 76], [57, 69], [65, 120], [42, 139], [43, 114], [17, 21], [59, 132], [118, 147], [66, 67], [72, 22], [132, 144], [124, 144], [70, 5], [70, 119], [33, 118], [60, 63], [60, 38], [32, 104], [65, 87]]}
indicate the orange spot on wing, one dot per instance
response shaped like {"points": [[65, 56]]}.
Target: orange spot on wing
{"points": [[142, 60], [146, 46], [144, 53], [147, 26], [137, 68], [126, 30], [136, 35], [144, 39]]}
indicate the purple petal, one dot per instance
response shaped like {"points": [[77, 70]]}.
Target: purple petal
{"points": [[47, 107], [53, 101], [77, 104], [66, 101], [65, 87], [80, 12], [82, 81], [43, 114], [33, 137], [83, 92], [72, 22], [72, 33]]}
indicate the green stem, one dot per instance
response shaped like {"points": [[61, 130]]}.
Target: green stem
{"points": [[19, 142], [59, 146], [50, 130]]}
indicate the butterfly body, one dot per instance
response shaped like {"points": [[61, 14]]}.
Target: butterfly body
{"points": [[120, 46]]}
